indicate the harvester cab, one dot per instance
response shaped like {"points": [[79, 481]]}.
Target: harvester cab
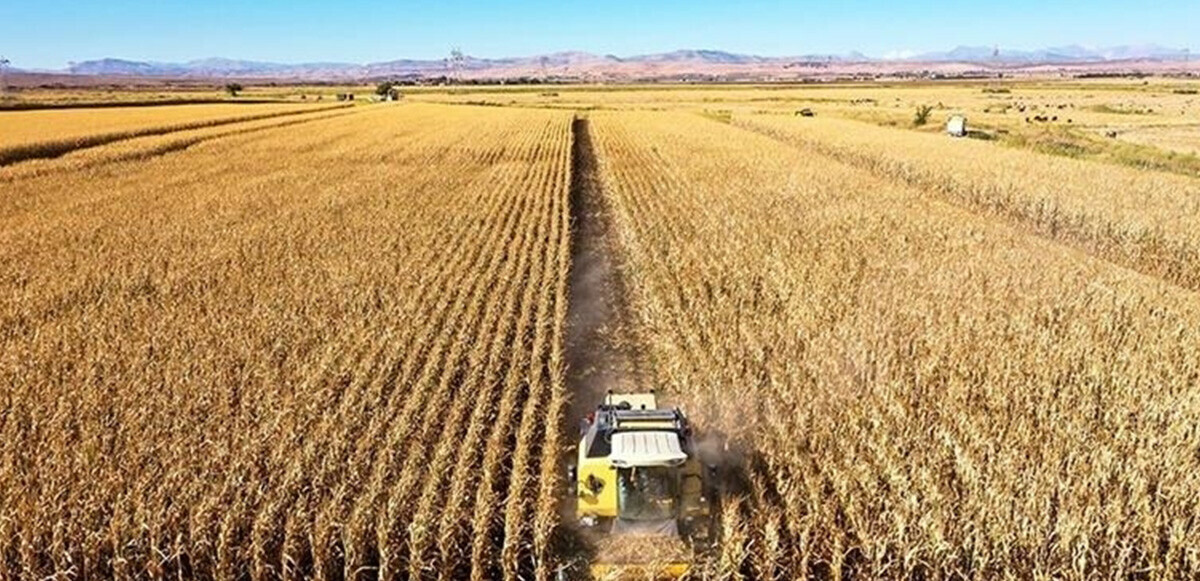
{"points": [[638, 474]]}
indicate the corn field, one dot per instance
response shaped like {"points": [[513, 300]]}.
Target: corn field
{"points": [[47, 134], [1147, 221], [323, 351], [290, 342], [921, 391]]}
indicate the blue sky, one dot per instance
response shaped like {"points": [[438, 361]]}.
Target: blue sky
{"points": [[49, 33]]}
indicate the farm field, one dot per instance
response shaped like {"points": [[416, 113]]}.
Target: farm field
{"points": [[51, 133], [1146, 221], [1184, 139], [928, 391], [115, 93], [156, 141], [178, 326], [293, 341], [1154, 121]]}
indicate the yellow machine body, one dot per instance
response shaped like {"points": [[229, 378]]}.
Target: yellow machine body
{"points": [[596, 484], [638, 473]]}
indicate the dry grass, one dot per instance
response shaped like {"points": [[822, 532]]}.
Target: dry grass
{"points": [[329, 350], [1181, 139], [924, 391]]}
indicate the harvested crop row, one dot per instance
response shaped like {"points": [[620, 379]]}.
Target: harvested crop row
{"points": [[921, 391], [1144, 220], [51, 133], [321, 310]]}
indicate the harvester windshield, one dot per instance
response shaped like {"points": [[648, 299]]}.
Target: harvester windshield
{"points": [[647, 493]]}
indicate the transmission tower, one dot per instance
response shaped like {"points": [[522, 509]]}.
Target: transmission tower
{"points": [[456, 62], [4, 62]]}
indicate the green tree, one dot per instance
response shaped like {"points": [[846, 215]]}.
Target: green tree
{"points": [[922, 116], [233, 89], [388, 90]]}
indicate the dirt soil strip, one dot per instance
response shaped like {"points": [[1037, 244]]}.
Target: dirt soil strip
{"points": [[598, 335]]}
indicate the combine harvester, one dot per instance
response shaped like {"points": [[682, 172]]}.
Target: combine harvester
{"points": [[642, 495]]}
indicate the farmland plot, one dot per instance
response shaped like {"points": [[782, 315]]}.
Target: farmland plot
{"points": [[921, 390], [1145, 220], [324, 350], [54, 132], [1184, 139], [156, 143], [330, 344]]}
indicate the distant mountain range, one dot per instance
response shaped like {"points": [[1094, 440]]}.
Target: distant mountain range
{"points": [[582, 63], [1054, 55]]}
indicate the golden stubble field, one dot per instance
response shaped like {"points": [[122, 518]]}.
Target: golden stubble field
{"points": [[284, 342]]}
